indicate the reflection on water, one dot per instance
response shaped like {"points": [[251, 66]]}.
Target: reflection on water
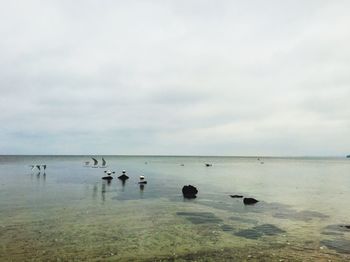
{"points": [[94, 192], [74, 214], [142, 187]]}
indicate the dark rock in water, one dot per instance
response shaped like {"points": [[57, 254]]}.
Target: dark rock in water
{"points": [[244, 220], [208, 165], [226, 228], [142, 182], [249, 201], [304, 215], [236, 196], [269, 229], [337, 228], [189, 191], [107, 177], [340, 245], [200, 217], [249, 233], [259, 231], [123, 177]]}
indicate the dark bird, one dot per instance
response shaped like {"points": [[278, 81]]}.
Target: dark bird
{"points": [[103, 162], [95, 162]]}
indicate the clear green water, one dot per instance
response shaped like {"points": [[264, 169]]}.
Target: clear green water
{"points": [[70, 213]]}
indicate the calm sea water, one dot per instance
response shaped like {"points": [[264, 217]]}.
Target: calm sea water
{"points": [[69, 213]]}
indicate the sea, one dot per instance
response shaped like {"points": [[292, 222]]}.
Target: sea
{"points": [[67, 212]]}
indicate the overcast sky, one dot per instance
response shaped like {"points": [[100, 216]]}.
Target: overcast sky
{"points": [[179, 77]]}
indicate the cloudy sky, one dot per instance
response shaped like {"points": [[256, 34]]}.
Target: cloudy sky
{"points": [[183, 77]]}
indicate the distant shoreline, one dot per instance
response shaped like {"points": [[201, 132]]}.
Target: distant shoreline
{"points": [[201, 156]]}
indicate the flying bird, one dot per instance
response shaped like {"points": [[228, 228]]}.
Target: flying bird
{"points": [[95, 162], [103, 162]]}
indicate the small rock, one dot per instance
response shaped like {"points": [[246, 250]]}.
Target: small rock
{"points": [[189, 191], [236, 196], [249, 201]]}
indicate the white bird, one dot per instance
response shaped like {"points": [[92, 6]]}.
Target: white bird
{"points": [[109, 172]]}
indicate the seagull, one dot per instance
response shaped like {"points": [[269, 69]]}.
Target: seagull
{"points": [[103, 162], [109, 172], [38, 166], [142, 180], [95, 162]]}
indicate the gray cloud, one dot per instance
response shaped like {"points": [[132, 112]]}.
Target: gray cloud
{"points": [[175, 77]]}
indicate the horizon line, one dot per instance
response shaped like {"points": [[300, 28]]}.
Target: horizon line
{"points": [[164, 155]]}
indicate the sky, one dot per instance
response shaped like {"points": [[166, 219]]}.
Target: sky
{"points": [[181, 77]]}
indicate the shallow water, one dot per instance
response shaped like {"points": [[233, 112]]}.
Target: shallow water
{"points": [[70, 213]]}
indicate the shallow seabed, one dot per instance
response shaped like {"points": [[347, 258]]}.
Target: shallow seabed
{"points": [[69, 213]]}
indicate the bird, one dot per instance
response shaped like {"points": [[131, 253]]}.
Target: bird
{"points": [[44, 166], [38, 166], [103, 162], [95, 162], [142, 180], [109, 172]]}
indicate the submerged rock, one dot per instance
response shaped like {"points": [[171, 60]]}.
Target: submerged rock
{"points": [[189, 191], [259, 231], [337, 228], [200, 217], [249, 201], [340, 245], [236, 196]]}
